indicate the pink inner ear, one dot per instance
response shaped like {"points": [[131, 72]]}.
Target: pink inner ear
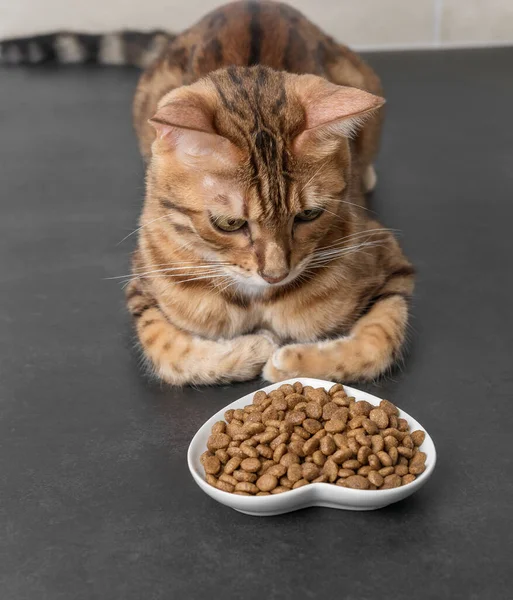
{"points": [[325, 102]]}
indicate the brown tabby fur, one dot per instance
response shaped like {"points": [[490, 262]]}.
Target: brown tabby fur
{"points": [[244, 142]]}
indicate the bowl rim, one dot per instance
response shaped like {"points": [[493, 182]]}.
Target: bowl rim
{"points": [[345, 493]]}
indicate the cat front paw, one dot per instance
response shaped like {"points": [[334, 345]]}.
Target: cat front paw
{"points": [[286, 362]]}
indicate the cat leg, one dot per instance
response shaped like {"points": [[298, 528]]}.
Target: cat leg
{"points": [[373, 345], [180, 358]]}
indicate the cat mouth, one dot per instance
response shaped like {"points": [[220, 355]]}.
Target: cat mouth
{"points": [[254, 283]]}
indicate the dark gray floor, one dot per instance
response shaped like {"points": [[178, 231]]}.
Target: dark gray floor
{"points": [[96, 500]]}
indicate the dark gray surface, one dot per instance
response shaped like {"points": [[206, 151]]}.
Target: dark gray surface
{"points": [[96, 500]]}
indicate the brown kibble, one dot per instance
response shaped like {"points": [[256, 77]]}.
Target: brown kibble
{"points": [[389, 408], [338, 387], [365, 470], [217, 441], [228, 479], [246, 486], [340, 439], [374, 462], [244, 476], [296, 417], [363, 454], [300, 483], [390, 441], [249, 450], [296, 447], [253, 428], [352, 464], [401, 470], [212, 465], [385, 471], [407, 452], [330, 469], [353, 445], [289, 459], [211, 479], [279, 490], [285, 482], [334, 426], [402, 425], [310, 471], [232, 464], [391, 481], [360, 408], [327, 445], [310, 446], [311, 425], [277, 470], [329, 409], [259, 397], [377, 444], [219, 427], [294, 473], [280, 439], [418, 437], [357, 422], [380, 417], [205, 455], [224, 486], [266, 482], [313, 410], [346, 473], [375, 478], [370, 427], [286, 389], [384, 458], [342, 455], [294, 399], [250, 464], [264, 451], [363, 440], [357, 482], [279, 452], [236, 452], [318, 458], [408, 442], [302, 433], [294, 436]]}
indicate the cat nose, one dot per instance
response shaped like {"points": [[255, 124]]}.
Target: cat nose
{"points": [[274, 277]]}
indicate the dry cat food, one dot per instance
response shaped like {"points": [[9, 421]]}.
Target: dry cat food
{"points": [[298, 435]]}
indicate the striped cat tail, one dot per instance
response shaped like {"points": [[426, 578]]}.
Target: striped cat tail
{"points": [[133, 48]]}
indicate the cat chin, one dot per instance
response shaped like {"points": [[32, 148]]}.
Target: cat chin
{"points": [[254, 285]]}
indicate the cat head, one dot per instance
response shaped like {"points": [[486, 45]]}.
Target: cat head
{"points": [[253, 169]]}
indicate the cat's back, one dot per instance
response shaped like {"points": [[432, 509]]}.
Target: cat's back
{"points": [[244, 34], [251, 33]]}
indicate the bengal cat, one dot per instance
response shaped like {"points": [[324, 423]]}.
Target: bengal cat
{"points": [[255, 254]]}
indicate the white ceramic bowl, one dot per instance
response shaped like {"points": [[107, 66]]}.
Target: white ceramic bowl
{"points": [[315, 494]]}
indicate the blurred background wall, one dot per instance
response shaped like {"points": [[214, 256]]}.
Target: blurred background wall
{"points": [[364, 24]]}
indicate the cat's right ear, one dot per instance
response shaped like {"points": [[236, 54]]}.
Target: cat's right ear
{"points": [[184, 126], [331, 112]]}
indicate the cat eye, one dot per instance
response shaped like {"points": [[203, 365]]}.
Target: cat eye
{"points": [[228, 224], [309, 215]]}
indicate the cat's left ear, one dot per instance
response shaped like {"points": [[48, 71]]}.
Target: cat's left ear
{"points": [[331, 112], [184, 126]]}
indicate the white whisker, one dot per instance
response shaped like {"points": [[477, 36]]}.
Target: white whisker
{"points": [[142, 226]]}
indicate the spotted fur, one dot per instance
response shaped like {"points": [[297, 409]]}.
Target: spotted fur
{"points": [[240, 116]]}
